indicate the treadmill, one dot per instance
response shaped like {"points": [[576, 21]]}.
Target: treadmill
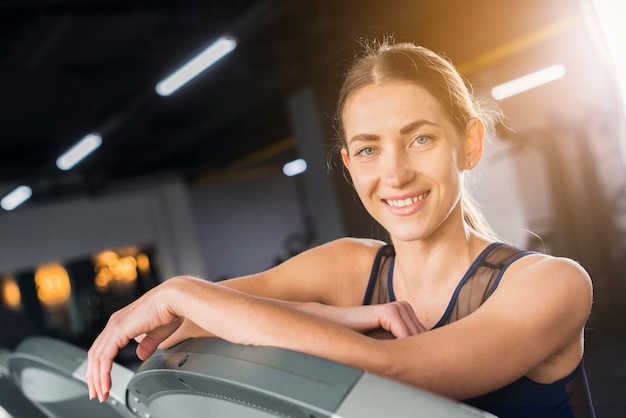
{"points": [[210, 377]]}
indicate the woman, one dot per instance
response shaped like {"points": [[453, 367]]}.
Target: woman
{"points": [[470, 318]]}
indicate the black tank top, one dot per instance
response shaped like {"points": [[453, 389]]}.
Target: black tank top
{"points": [[568, 397]]}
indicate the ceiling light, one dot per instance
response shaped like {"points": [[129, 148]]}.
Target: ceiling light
{"points": [[16, 198], [78, 152], [527, 82], [198, 64], [295, 167]]}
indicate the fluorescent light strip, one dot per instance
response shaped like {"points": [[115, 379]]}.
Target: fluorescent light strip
{"points": [[16, 198], [295, 167], [198, 64], [78, 152], [527, 82]]}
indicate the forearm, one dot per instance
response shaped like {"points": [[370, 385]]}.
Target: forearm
{"points": [[245, 319], [349, 317], [352, 317], [233, 316]]}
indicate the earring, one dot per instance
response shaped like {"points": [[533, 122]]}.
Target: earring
{"points": [[471, 164]]}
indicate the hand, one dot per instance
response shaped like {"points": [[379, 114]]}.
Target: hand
{"points": [[150, 317], [396, 319], [185, 331]]}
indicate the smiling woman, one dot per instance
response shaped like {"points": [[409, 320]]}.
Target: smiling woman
{"points": [[439, 78], [398, 165], [464, 316]]}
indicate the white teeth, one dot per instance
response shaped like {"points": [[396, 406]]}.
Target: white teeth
{"points": [[406, 202]]}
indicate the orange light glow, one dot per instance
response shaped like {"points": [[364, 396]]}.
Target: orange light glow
{"points": [[11, 296], [120, 266], [53, 284], [143, 263]]}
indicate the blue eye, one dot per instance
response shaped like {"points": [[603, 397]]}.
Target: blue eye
{"points": [[422, 139], [365, 152]]}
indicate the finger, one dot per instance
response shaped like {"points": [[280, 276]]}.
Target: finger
{"points": [[100, 362], [88, 377], [105, 379], [400, 329], [93, 370], [401, 320], [153, 339], [392, 320], [186, 330], [413, 324], [98, 379], [146, 347]]}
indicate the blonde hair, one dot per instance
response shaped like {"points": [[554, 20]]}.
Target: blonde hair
{"points": [[407, 62]]}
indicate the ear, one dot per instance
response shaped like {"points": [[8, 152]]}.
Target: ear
{"points": [[474, 142], [345, 158]]}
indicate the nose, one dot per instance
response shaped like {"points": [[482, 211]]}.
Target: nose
{"points": [[398, 170]]}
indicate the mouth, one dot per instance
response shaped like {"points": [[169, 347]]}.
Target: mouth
{"points": [[406, 202]]}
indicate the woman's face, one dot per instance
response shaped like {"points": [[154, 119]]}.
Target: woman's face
{"points": [[405, 157]]}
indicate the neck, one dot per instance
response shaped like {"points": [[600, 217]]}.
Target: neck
{"points": [[441, 257]]}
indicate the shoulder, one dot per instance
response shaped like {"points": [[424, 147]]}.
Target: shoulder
{"points": [[345, 265], [536, 317], [355, 246], [546, 270], [342, 251], [334, 273], [548, 299], [553, 285], [349, 256]]}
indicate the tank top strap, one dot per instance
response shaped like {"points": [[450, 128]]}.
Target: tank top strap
{"points": [[478, 283], [376, 292], [480, 280]]}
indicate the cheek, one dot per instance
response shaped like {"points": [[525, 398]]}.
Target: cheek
{"points": [[450, 166], [363, 181], [359, 181], [455, 182]]}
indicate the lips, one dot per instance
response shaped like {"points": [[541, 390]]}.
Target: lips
{"points": [[400, 203]]}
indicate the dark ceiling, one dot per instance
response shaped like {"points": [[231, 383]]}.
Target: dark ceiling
{"points": [[71, 67]]}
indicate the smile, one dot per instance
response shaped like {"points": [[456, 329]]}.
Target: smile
{"points": [[406, 202]]}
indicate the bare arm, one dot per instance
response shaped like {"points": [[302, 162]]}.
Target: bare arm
{"points": [[318, 285], [390, 320], [531, 326], [159, 312]]}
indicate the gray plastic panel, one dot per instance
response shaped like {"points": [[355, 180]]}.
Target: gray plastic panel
{"points": [[255, 380], [375, 396], [51, 374], [211, 377], [12, 400], [4, 361]]}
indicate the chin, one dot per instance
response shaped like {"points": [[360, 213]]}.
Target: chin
{"points": [[407, 236]]}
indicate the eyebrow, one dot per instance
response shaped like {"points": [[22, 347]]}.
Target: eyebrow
{"points": [[416, 124], [404, 130]]}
